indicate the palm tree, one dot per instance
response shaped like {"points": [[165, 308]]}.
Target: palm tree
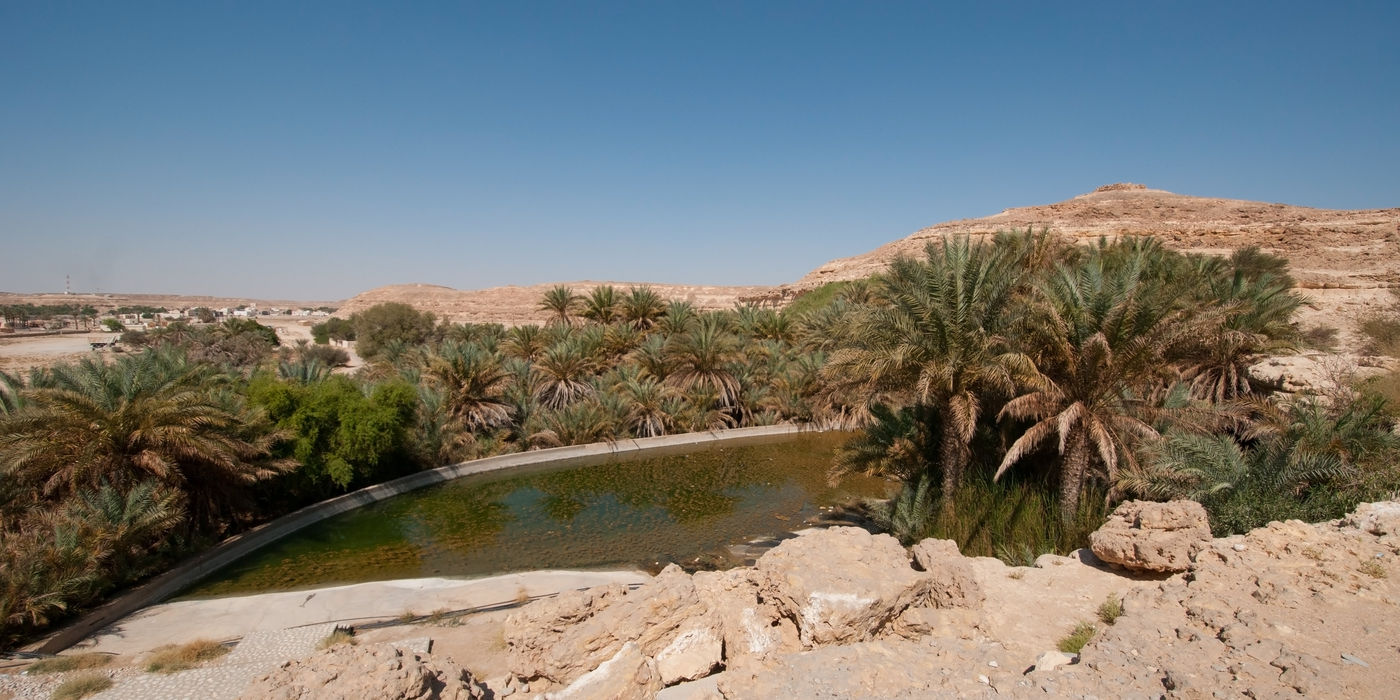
{"points": [[147, 416], [642, 308], [11, 398], [679, 317], [650, 406], [601, 305], [652, 357], [560, 301], [1106, 335], [474, 383], [1254, 318], [524, 342], [700, 359], [938, 340], [564, 370]]}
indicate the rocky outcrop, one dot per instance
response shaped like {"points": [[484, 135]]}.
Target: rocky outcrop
{"points": [[1152, 537], [842, 586], [347, 672], [561, 639], [830, 586], [1286, 610]]}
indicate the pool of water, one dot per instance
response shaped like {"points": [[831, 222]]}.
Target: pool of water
{"points": [[627, 512]]}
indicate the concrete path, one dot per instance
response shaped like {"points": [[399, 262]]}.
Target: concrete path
{"points": [[223, 619]]}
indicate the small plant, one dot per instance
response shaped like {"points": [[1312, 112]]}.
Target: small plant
{"points": [[1313, 553], [172, 658], [408, 617], [1110, 610], [1077, 638], [1322, 338], [522, 596], [437, 617], [1017, 574], [1373, 568], [61, 664], [340, 636], [81, 686]]}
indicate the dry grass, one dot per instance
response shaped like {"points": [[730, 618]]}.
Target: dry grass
{"points": [[172, 658], [1373, 568], [338, 637], [1111, 610], [75, 662], [81, 686]]}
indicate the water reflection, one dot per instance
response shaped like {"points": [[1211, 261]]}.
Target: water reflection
{"points": [[622, 513]]}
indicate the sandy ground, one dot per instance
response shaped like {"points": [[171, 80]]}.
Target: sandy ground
{"points": [[233, 617]]}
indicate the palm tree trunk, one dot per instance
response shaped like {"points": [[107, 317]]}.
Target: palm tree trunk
{"points": [[1072, 471], [950, 460]]}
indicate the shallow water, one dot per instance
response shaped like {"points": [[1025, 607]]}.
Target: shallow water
{"points": [[629, 512]]}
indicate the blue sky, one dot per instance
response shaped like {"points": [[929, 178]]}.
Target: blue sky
{"points": [[315, 150]]}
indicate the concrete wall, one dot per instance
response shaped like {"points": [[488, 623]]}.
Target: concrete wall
{"points": [[226, 552]]}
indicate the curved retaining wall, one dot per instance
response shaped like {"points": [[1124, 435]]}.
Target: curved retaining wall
{"points": [[238, 546]]}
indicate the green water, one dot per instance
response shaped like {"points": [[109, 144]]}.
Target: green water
{"points": [[625, 513]]}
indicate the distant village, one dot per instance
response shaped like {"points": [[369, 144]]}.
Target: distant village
{"points": [[31, 318]]}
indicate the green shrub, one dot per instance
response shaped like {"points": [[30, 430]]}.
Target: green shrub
{"points": [[1077, 638], [1110, 610]]}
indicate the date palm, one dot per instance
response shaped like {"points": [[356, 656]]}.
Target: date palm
{"points": [[524, 342], [642, 307], [700, 359], [1255, 317], [601, 305], [937, 340], [474, 384], [564, 372], [1106, 335], [147, 416], [560, 301]]}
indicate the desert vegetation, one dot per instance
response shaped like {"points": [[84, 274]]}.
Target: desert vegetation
{"points": [[1016, 387]]}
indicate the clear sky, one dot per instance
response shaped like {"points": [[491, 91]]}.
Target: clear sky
{"points": [[314, 150]]}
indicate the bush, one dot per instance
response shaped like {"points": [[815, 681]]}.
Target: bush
{"points": [[75, 662], [1110, 610], [1073, 642], [171, 658], [81, 686]]}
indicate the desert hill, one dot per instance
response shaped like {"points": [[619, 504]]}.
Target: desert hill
{"points": [[107, 302], [515, 305], [1328, 248]]}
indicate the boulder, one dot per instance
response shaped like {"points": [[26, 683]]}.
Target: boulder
{"points": [[752, 629], [565, 637], [1154, 537], [628, 675], [695, 653], [841, 584], [949, 572], [348, 672]]}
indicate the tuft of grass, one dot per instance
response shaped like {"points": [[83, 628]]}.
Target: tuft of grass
{"points": [[522, 596], [75, 662], [340, 636], [1017, 574], [1322, 338], [1382, 333], [1077, 638], [81, 686], [1372, 568], [1111, 609], [172, 658], [408, 617]]}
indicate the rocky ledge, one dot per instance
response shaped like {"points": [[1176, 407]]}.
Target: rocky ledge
{"points": [[1290, 609]]}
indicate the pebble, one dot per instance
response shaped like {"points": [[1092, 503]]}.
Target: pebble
{"points": [[1237, 547], [1349, 659], [993, 663], [984, 680]]}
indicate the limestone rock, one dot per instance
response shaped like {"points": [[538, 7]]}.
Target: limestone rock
{"points": [[695, 652], [1156, 537], [628, 675], [950, 574], [349, 672], [1052, 660], [842, 584], [563, 638], [752, 629], [1378, 519]]}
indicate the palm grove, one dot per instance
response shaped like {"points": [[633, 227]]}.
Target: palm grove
{"points": [[1014, 386]]}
